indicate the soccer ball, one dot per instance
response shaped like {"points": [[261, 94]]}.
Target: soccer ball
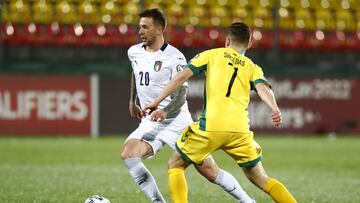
{"points": [[97, 199]]}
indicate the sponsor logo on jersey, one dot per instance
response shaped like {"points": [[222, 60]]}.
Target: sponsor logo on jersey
{"points": [[157, 66], [184, 136]]}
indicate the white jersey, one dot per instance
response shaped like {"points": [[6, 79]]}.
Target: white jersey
{"points": [[154, 70]]}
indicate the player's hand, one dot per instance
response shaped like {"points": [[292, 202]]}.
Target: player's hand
{"points": [[158, 115], [276, 117], [135, 111], [149, 108]]}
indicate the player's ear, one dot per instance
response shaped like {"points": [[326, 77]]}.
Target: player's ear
{"points": [[160, 29], [250, 42], [227, 41]]}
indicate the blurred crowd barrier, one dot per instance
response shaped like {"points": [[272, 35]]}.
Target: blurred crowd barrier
{"points": [[285, 24]]}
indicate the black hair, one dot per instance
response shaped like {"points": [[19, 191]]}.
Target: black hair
{"points": [[239, 32], [157, 16]]}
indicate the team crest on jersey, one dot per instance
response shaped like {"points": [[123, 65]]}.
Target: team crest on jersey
{"points": [[157, 66], [180, 67]]}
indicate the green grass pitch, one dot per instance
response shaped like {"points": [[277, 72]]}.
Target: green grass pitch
{"points": [[66, 170]]}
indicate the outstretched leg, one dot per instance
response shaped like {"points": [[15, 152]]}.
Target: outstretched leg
{"points": [[132, 153], [178, 186], [271, 186], [177, 181], [225, 180]]}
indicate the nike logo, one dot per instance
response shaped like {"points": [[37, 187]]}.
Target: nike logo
{"points": [[233, 189]]}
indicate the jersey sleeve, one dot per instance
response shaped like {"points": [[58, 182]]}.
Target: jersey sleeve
{"points": [[130, 55], [258, 77], [130, 52], [179, 62], [199, 63]]}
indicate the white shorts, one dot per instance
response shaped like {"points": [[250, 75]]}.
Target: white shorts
{"points": [[157, 134]]}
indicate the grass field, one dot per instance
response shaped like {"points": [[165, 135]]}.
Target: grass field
{"points": [[66, 170]]}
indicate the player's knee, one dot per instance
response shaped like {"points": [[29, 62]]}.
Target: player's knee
{"points": [[256, 175], [260, 181], [210, 175], [176, 161], [127, 153], [134, 149], [209, 170], [173, 163], [124, 155]]}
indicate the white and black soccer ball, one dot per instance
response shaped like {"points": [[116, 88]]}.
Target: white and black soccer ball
{"points": [[97, 199]]}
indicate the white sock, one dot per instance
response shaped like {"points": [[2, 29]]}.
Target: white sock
{"points": [[144, 179], [231, 186]]}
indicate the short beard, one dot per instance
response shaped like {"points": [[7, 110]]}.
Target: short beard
{"points": [[149, 42]]}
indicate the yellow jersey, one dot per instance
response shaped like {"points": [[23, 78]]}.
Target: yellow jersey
{"points": [[230, 77]]}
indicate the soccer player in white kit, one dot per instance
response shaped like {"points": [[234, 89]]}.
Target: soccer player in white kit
{"points": [[154, 64]]}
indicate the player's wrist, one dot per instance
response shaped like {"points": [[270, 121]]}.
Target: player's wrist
{"points": [[166, 111], [276, 110], [132, 104]]}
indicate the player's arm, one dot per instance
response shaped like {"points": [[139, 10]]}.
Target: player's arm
{"points": [[173, 85], [133, 93], [173, 108], [135, 110], [267, 96], [179, 98]]}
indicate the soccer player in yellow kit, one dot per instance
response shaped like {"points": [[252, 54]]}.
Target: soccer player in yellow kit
{"points": [[223, 123]]}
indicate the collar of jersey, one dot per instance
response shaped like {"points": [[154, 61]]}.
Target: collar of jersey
{"points": [[163, 47]]}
